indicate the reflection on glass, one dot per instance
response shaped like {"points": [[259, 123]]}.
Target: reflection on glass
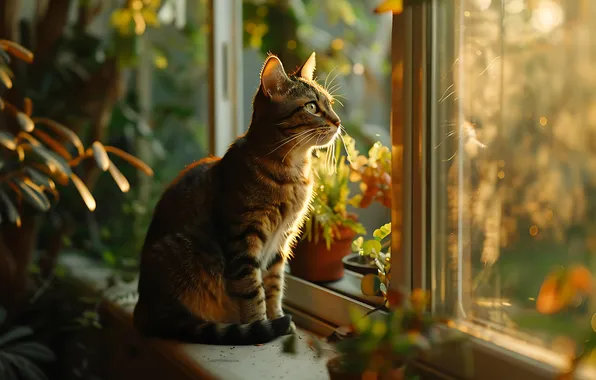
{"points": [[514, 165]]}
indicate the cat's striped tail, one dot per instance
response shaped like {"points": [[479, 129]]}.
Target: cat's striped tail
{"points": [[189, 329], [258, 332]]}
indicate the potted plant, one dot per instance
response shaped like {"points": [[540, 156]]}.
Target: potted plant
{"points": [[384, 345], [329, 228], [374, 174], [376, 252]]}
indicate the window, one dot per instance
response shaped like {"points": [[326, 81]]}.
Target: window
{"points": [[509, 153], [493, 173], [162, 118]]}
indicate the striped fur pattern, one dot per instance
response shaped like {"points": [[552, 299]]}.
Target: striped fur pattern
{"points": [[212, 266]]}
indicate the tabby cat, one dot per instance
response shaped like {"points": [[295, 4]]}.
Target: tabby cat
{"points": [[212, 266]]}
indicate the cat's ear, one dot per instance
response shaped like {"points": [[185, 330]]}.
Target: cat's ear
{"points": [[307, 71], [273, 76]]}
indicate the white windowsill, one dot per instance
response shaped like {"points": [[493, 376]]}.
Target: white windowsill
{"points": [[221, 362]]}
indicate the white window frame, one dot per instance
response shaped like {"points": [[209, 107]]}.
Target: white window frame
{"points": [[225, 74]]}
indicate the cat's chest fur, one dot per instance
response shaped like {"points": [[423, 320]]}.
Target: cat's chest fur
{"points": [[293, 202]]}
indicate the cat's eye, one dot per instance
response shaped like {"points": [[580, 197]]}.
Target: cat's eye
{"points": [[312, 108]]}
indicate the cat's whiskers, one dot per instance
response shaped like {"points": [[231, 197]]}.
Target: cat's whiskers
{"points": [[289, 139], [333, 88], [313, 132], [330, 83], [339, 101], [341, 136], [327, 77]]}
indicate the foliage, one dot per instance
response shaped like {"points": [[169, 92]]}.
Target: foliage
{"points": [[372, 249], [175, 135], [19, 355], [134, 16], [332, 194], [36, 158], [565, 288], [382, 343], [333, 174], [373, 172], [393, 339]]}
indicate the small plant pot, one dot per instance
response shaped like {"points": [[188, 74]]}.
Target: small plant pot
{"points": [[338, 373], [315, 263], [359, 264]]}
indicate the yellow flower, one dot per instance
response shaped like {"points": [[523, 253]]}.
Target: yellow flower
{"points": [[394, 6], [136, 13], [121, 19]]}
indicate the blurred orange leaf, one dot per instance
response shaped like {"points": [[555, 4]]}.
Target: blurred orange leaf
{"points": [[17, 50], [131, 159], [63, 131], [53, 144], [84, 191]]}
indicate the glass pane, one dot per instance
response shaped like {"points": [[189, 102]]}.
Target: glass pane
{"points": [[513, 131], [352, 46]]}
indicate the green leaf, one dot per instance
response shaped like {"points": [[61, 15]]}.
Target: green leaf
{"points": [[52, 160], [357, 244], [109, 258], [372, 247], [27, 369], [90, 314], [32, 350], [361, 323], [33, 196], [383, 231], [38, 177], [14, 334], [7, 371], [10, 209]]}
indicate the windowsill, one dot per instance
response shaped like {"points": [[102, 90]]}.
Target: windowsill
{"points": [[225, 362]]}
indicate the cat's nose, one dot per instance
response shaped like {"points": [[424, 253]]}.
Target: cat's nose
{"points": [[334, 119]]}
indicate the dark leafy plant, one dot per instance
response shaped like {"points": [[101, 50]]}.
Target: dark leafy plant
{"points": [[20, 356], [37, 158], [37, 154]]}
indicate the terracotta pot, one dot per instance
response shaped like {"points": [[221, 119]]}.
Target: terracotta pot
{"points": [[315, 263], [337, 373]]}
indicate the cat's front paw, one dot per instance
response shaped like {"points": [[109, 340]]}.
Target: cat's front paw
{"points": [[283, 326]]}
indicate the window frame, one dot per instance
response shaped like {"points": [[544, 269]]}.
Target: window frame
{"points": [[413, 249], [225, 74], [495, 355]]}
